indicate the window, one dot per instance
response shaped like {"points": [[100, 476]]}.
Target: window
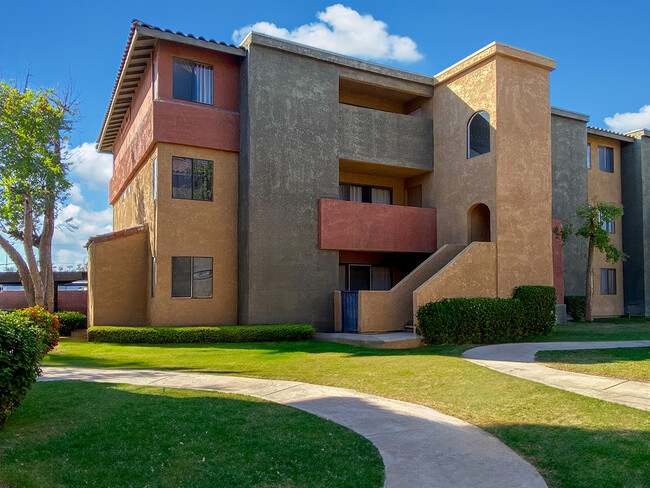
{"points": [[192, 81], [153, 276], [154, 178], [607, 281], [609, 227], [354, 277], [191, 277], [365, 193], [588, 156], [191, 179], [606, 159], [478, 134]]}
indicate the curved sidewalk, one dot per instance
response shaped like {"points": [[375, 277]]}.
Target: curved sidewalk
{"points": [[420, 447], [519, 360]]}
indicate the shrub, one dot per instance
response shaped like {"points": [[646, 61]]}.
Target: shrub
{"points": [[21, 350], [184, 335], [43, 320], [70, 321], [576, 306], [531, 311]]}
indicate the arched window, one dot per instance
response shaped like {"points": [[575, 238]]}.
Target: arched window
{"points": [[478, 134], [478, 223]]}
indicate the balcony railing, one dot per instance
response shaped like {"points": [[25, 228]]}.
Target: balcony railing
{"points": [[355, 226]]}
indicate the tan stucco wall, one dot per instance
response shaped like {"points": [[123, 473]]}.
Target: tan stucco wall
{"points": [[457, 182], [606, 187], [137, 206], [523, 176], [118, 275], [199, 229], [471, 274], [391, 310], [396, 184]]}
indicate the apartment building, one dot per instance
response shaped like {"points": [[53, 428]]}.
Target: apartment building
{"points": [[274, 182]]}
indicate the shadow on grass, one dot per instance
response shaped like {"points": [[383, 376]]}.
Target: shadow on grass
{"points": [[72, 434]]}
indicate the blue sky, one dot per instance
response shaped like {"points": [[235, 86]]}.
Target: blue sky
{"points": [[602, 68]]}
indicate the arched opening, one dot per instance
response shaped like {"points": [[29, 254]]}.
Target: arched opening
{"points": [[478, 223], [478, 134]]}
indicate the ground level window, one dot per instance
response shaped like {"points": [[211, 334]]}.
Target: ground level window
{"points": [[191, 277], [354, 277], [191, 179], [607, 281]]}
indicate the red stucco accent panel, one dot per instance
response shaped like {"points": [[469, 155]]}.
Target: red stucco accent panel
{"points": [[558, 264], [193, 124], [354, 226]]}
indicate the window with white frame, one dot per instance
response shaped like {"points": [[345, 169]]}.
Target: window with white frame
{"points": [[192, 81]]}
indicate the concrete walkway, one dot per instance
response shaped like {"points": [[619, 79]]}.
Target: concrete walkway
{"points": [[420, 447], [519, 360]]}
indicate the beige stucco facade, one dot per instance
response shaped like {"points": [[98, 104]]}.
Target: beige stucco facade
{"points": [[606, 187]]}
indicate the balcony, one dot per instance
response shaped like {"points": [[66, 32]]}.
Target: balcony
{"points": [[385, 138], [355, 226]]}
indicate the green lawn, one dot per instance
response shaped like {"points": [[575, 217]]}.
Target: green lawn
{"points": [[618, 329], [73, 434], [627, 363], [573, 441]]}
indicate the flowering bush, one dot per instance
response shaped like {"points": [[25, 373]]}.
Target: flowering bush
{"points": [[47, 323], [21, 351]]}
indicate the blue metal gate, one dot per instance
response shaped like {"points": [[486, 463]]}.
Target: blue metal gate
{"points": [[350, 311]]}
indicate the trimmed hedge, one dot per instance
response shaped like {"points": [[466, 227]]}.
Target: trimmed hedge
{"points": [[70, 321], [186, 335], [21, 351], [530, 312], [576, 306]]}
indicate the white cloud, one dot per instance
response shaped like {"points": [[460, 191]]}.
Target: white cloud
{"points": [[345, 31], [630, 120], [91, 167]]}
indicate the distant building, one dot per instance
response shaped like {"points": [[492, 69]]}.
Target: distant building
{"points": [[262, 183]]}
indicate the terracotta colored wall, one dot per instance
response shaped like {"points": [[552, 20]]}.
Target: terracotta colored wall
{"points": [[606, 187], [118, 272], [523, 184], [471, 274], [359, 226], [558, 264], [135, 138], [68, 300], [200, 229], [387, 311]]}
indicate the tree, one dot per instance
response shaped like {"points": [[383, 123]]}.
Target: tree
{"points": [[593, 222], [34, 126]]}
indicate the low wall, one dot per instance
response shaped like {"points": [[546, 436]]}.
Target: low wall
{"points": [[391, 310], [471, 274], [67, 300]]}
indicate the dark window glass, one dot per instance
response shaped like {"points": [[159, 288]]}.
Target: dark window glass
{"points": [[192, 81], [381, 278], [478, 134], [606, 159], [183, 79], [181, 178], [365, 193], [359, 277], [202, 277], [202, 185], [192, 179], [181, 277], [607, 281]]}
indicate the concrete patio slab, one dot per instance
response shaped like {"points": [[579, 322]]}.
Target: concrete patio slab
{"points": [[420, 447], [519, 360], [391, 340]]}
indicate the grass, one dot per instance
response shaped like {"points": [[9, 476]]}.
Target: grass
{"points": [[617, 329], [625, 363], [70, 434], [573, 441]]}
